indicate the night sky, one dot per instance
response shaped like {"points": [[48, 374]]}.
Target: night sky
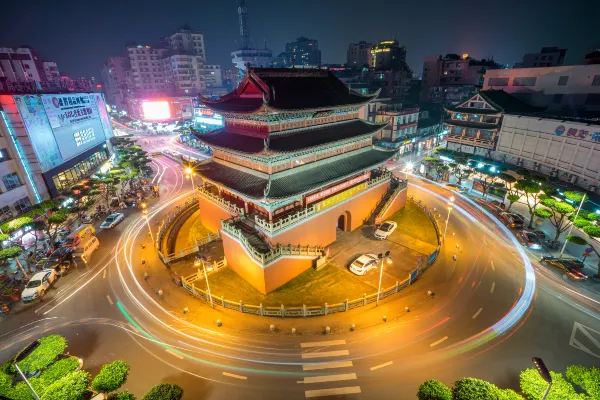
{"points": [[80, 35]]}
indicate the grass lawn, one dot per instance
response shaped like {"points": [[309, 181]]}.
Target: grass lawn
{"points": [[191, 230], [413, 222], [329, 285]]}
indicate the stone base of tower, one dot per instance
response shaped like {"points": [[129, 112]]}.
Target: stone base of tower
{"points": [[211, 214]]}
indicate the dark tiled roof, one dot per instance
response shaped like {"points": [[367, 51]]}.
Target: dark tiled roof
{"points": [[507, 102], [471, 124], [467, 110], [290, 89], [295, 141], [302, 181]]}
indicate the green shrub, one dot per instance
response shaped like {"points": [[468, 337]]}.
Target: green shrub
{"points": [[164, 391], [8, 368], [434, 390], [475, 389], [21, 392], [5, 383], [50, 347], [509, 394], [124, 395], [58, 370], [533, 386], [111, 377], [587, 378], [71, 387]]}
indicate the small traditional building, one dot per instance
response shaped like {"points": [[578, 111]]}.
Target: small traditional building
{"points": [[293, 166]]}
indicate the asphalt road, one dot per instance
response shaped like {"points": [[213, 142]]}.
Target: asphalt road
{"points": [[485, 320]]}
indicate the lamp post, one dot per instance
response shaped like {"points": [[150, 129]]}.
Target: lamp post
{"points": [[450, 204], [190, 174], [543, 370], [381, 258], [562, 251], [145, 212], [24, 353], [409, 167], [200, 261]]}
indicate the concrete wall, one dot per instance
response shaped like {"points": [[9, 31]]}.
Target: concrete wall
{"points": [[320, 230], [211, 214], [398, 204]]}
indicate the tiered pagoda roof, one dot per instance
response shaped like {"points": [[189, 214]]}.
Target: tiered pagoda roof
{"points": [[500, 101]]}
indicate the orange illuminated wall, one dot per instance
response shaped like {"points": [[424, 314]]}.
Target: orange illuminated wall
{"points": [[211, 214]]}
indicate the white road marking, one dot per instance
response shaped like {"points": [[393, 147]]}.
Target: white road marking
{"points": [[493, 286], [586, 332], [104, 275], [326, 354], [322, 344], [332, 392], [492, 264], [235, 376], [335, 364], [174, 354], [109, 300], [477, 313], [387, 364], [438, 342], [329, 378]]}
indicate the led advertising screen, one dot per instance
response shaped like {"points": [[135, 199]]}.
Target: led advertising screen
{"points": [[156, 110], [79, 137], [66, 109], [203, 115]]}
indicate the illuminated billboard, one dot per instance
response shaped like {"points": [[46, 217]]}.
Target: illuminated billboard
{"points": [[203, 115], [156, 110]]}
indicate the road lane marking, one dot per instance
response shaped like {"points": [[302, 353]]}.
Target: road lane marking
{"points": [[235, 376], [174, 354], [104, 275], [329, 378], [438, 342], [109, 300], [477, 313], [382, 365], [326, 354], [492, 264], [322, 344], [332, 392], [493, 286], [335, 364]]}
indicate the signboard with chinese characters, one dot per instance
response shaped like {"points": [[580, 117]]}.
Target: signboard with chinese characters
{"points": [[337, 188], [67, 109], [593, 135], [340, 197]]}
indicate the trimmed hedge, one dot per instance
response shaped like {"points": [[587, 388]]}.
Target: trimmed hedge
{"points": [[59, 370], [5, 383], [587, 378], [475, 389], [111, 377], [164, 391], [434, 390], [509, 394], [50, 347], [124, 395], [533, 386], [71, 387]]}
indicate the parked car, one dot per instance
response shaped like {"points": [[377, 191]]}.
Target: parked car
{"points": [[112, 220], [512, 220], [385, 229], [457, 188], [529, 239], [37, 285], [363, 264], [83, 232], [499, 205], [570, 266], [85, 250]]}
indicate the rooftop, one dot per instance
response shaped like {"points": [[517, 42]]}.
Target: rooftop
{"points": [[471, 124], [501, 101]]}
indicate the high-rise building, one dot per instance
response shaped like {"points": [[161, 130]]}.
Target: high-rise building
{"points": [[359, 54], [186, 40], [114, 78], [304, 51], [547, 57], [24, 64], [145, 74], [388, 54], [51, 71]]}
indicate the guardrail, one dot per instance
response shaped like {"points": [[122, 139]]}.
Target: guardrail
{"points": [[166, 222], [221, 202], [211, 237], [210, 269], [401, 186]]}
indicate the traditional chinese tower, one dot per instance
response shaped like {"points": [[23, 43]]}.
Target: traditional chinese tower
{"points": [[293, 166]]}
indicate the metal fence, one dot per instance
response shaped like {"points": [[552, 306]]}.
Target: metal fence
{"points": [[168, 220], [401, 186], [431, 216], [211, 237]]}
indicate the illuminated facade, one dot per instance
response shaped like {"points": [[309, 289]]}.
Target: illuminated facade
{"points": [[293, 165], [388, 54]]}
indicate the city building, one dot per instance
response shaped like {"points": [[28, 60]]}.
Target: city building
{"points": [[213, 79], [453, 78], [293, 166], [22, 64], [145, 73], [114, 78], [228, 76], [400, 129], [160, 109], [474, 125], [572, 89], [185, 40], [51, 71], [392, 82], [388, 54], [48, 143], [593, 57], [303, 51], [547, 57], [184, 74], [430, 128], [359, 54], [246, 55], [281, 60]]}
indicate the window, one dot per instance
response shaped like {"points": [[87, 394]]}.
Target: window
{"points": [[524, 81], [593, 99], [5, 214], [4, 156], [498, 81], [596, 81], [557, 98], [459, 73], [11, 181], [562, 81], [22, 205]]}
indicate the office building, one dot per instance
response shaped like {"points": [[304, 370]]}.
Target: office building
{"points": [[114, 78], [547, 57], [303, 51], [145, 72], [388, 54], [359, 54]]}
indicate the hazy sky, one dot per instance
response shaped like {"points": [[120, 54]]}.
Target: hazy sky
{"points": [[80, 35]]}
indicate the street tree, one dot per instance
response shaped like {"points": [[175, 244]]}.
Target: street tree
{"points": [[50, 225], [578, 240], [557, 213], [512, 194], [438, 166], [533, 196], [106, 186], [463, 169], [82, 200], [164, 391], [488, 179]]}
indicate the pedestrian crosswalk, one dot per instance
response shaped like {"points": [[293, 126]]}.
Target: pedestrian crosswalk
{"points": [[330, 373]]}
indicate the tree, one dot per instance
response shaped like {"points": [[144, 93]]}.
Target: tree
{"points": [[71, 387], [49, 349], [533, 386], [164, 391], [82, 201], [58, 370], [434, 390], [438, 166], [512, 194], [124, 395], [475, 389], [533, 196], [582, 242], [587, 378], [489, 178], [51, 224], [558, 213], [111, 377], [106, 186]]}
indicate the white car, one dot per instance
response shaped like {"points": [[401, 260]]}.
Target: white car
{"points": [[38, 284], [385, 229], [363, 264], [112, 220]]}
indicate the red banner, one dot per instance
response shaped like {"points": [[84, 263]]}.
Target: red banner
{"points": [[334, 189]]}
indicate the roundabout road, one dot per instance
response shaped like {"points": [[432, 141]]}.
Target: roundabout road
{"points": [[490, 314]]}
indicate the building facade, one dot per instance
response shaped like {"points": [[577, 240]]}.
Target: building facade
{"points": [[293, 164], [304, 51], [359, 54], [400, 129], [114, 78], [565, 88], [21, 65], [388, 54], [547, 57], [145, 73]]}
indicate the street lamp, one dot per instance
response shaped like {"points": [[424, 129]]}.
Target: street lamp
{"points": [[450, 204], [543, 370], [145, 212], [201, 261], [24, 353], [190, 174], [387, 258], [409, 167]]}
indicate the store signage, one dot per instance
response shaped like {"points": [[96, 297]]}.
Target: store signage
{"points": [[67, 109], [337, 188], [340, 197], [577, 133], [84, 136]]}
